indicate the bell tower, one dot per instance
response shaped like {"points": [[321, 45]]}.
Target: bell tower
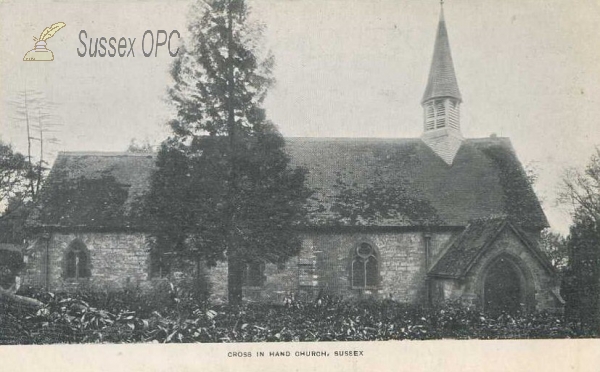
{"points": [[441, 100]]}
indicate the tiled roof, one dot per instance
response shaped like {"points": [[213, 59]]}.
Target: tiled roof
{"points": [[442, 78], [367, 182], [95, 190], [366, 177], [473, 242]]}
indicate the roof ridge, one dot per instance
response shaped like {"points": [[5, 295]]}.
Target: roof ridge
{"points": [[316, 139], [353, 138], [324, 139]]}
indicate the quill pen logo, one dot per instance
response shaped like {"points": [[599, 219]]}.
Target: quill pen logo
{"points": [[40, 52]]}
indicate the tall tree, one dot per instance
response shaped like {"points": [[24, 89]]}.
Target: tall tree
{"points": [[582, 282], [34, 112], [581, 285], [224, 188]]}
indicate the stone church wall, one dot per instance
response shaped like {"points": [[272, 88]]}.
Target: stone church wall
{"points": [[281, 282], [401, 256], [323, 266], [121, 260], [117, 260]]}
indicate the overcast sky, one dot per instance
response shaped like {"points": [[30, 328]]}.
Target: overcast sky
{"points": [[527, 69]]}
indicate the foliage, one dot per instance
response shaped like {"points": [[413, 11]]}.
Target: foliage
{"points": [[12, 222], [15, 199], [582, 189], [10, 265], [378, 200], [103, 199], [224, 188], [13, 173], [555, 247], [140, 147], [521, 205], [582, 280], [75, 319], [581, 286]]}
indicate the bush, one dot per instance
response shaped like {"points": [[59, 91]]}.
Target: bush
{"points": [[127, 317]]}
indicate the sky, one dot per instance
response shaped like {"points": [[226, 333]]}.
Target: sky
{"points": [[527, 70]]}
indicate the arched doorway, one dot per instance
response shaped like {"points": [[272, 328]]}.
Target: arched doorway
{"points": [[503, 288]]}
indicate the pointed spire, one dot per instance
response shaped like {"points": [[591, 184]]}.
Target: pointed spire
{"points": [[441, 101], [442, 79]]}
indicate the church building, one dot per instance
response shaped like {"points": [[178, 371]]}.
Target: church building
{"points": [[417, 220]]}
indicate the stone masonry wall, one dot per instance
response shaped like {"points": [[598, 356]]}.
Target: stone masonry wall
{"points": [[402, 263], [324, 266], [117, 260], [121, 259], [281, 281]]}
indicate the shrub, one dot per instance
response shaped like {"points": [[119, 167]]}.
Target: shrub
{"points": [[115, 318]]}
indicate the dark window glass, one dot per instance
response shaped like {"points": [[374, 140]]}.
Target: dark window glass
{"points": [[372, 272], [254, 274], [365, 267], [71, 265], [358, 272], [77, 262], [159, 265]]}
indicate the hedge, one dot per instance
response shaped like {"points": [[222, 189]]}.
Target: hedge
{"points": [[128, 317]]}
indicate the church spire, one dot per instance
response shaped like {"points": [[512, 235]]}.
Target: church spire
{"points": [[442, 79], [441, 100]]}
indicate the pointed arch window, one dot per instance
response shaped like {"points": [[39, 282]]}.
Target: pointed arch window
{"points": [[365, 267], [77, 261]]}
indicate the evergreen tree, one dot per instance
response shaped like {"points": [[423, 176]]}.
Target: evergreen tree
{"points": [[582, 280], [224, 188]]}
